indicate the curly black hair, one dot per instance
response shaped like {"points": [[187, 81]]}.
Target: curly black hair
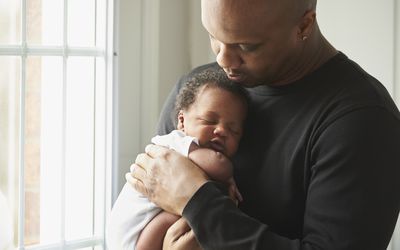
{"points": [[211, 77]]}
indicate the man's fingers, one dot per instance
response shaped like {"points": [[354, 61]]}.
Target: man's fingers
{"points": [[141, 161], [155, 150], [129, 178], [152, 151], [135, 179], [133, 168], [138, 172]]}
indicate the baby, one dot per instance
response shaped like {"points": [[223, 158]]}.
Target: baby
{"points": [[210, 113]]}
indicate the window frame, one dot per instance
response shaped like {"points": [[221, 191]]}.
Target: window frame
{"points": [[105, 51]]}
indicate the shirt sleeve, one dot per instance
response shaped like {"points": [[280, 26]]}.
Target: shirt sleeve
{"points": [[352, 195]]}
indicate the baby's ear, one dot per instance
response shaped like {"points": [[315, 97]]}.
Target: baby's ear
{"points": [[181, 119]]}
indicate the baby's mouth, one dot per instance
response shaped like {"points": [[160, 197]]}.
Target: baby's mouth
{"points": [[217, 146]]}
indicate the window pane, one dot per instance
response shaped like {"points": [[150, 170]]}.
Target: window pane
{"points": [[10, 24], [64, 127], [42, 161], [51, 148], [101, 23], [6, 231], [80, 147], [81, 23], [44, 22], [9, 141], [32, 150]]}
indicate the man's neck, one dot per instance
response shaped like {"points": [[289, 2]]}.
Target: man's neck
{"points": [[317, 51]]}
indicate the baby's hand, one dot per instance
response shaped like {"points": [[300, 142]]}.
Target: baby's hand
{"points": [[233, 192]]}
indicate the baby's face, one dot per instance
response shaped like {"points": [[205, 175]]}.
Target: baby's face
{"points": [[216, 118]]}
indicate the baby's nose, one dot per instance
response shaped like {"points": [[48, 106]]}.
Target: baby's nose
{"points": [[220, 131]]}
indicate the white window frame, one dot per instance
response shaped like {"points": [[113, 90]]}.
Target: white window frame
{"points": [[106, 52]]}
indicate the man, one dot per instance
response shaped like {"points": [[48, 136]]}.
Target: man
{"points": [[319, 163]]}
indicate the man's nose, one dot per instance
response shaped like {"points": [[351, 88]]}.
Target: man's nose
{"points": [[227, 57]]}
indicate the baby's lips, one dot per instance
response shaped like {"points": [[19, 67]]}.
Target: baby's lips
{"points": [[217, 146]]}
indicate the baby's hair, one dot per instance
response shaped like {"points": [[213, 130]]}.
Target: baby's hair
{"points": [[211, 77]]}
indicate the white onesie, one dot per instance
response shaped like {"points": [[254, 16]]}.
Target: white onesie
{"points": [[132, 211]]}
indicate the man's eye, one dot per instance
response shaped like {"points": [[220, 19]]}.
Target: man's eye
{"points": [[248, 47]]}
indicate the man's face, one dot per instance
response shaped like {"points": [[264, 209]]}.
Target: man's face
{"points": [[216, 119], [255, 41]]}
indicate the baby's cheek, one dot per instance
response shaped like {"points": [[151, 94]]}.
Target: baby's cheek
{"points": [[232, 148]]}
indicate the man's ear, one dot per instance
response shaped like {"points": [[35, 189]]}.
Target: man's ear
{"points": [[181, 119], [307, 24]]}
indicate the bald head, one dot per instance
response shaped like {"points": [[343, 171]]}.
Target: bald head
{"points": [[312, 4], [298, 7], [282, 10], [261, 40]]}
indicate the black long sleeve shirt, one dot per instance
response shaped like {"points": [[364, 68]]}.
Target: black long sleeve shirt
{"points": [[318, 167]]}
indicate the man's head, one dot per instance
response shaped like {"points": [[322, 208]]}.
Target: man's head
{"points": [[212, 108], [260, 41]]}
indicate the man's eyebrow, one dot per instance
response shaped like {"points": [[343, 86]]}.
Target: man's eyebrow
{"points": [[246, 43]]}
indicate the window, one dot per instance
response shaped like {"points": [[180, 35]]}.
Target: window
{"points": [[55, 123]]}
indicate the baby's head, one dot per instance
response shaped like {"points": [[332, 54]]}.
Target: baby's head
{"points": [[212, 108]]}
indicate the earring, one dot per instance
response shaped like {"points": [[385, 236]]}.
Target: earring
{"points": [[304, 38]]}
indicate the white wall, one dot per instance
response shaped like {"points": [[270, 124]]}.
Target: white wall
{"points": [[127, 47], [367, 32], [152, 51], [160, 40], [200, 51], [364, 31]]}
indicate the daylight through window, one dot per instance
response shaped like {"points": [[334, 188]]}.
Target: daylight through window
{"points": [[55, 123]]}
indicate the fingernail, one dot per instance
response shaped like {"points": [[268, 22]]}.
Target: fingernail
{"points": [[147, 148], [132, 168]]}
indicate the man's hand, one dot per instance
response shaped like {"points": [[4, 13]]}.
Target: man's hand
{"points": [[166, 177], [180, 237]]}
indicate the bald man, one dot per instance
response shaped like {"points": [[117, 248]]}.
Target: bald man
{"points": [[319, 162]]}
